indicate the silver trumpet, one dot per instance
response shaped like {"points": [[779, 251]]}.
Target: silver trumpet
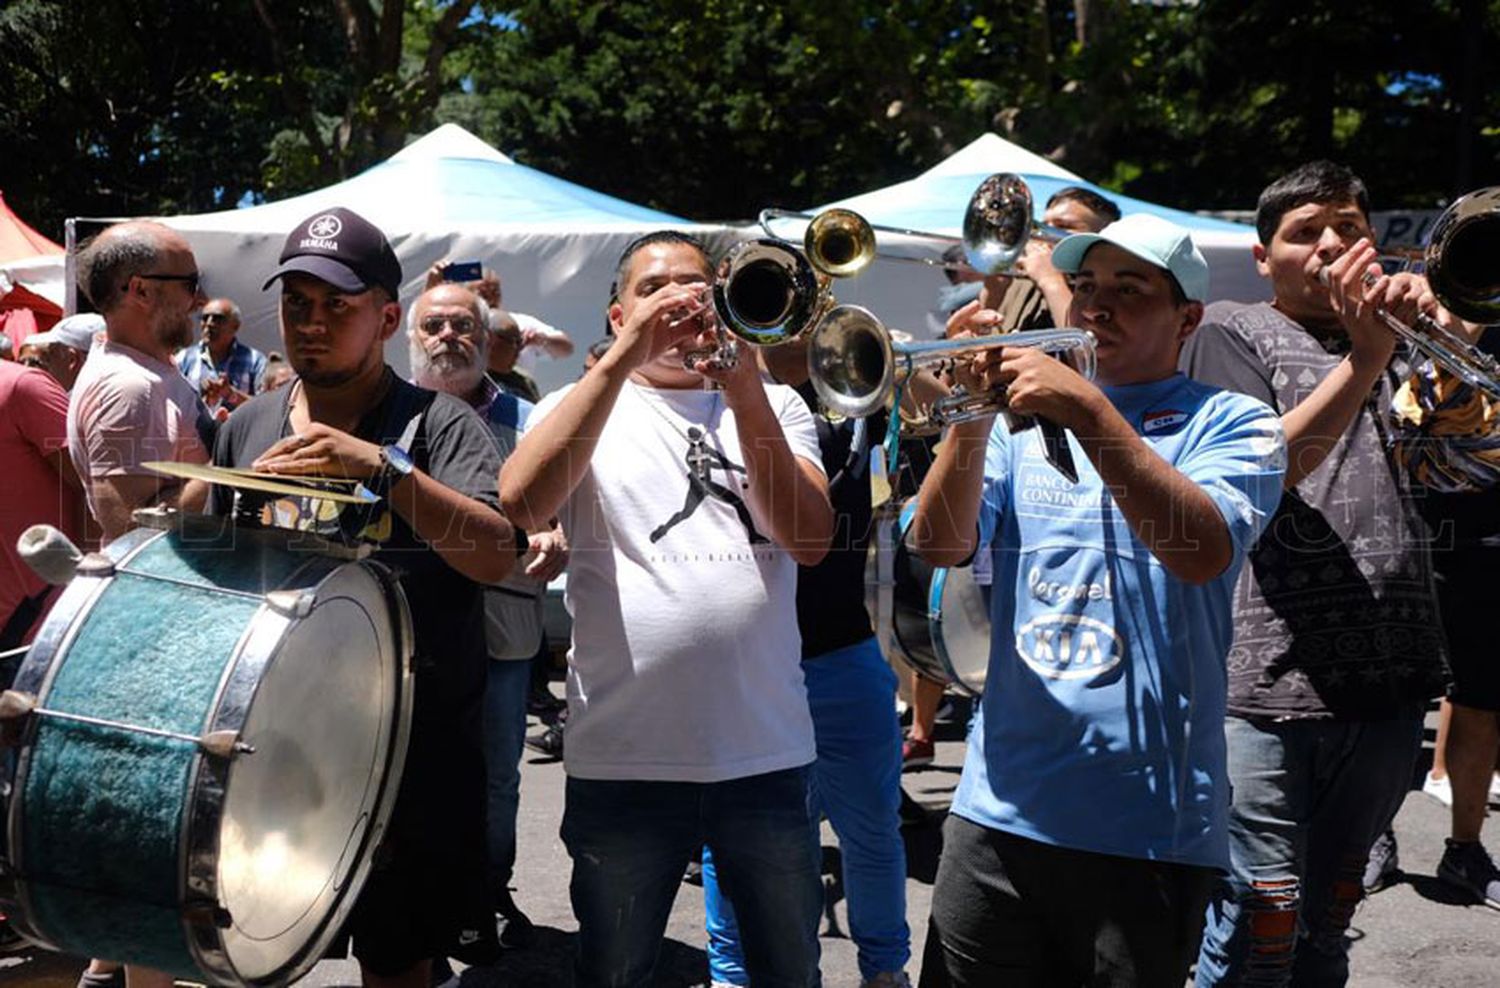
{"points": [[856, 365]]}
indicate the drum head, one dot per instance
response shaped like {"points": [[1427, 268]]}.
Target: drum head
{"points": [[960, 627], [298, 812]]}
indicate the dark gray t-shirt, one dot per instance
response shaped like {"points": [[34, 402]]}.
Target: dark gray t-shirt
{"points": [[1334, 611], [454, 447]]}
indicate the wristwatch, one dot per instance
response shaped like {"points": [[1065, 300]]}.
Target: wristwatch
{"points": [[395, 463]]}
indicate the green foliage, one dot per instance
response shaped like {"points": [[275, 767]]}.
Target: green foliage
{"points": [[715, 108]]}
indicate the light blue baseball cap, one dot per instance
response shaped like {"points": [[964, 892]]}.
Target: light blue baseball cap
{"points": [[1152, 239]]}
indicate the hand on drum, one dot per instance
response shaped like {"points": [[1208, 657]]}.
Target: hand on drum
{"points": [[320, 450], [1036, 383]]}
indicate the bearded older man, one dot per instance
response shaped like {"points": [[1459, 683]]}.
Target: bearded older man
{"points": [[448, 329]]}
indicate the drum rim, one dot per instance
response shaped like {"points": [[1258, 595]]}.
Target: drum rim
{"points": [[939, 643], [36, 676], [203, 819]]}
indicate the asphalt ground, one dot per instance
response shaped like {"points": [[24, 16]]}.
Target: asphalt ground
{"points": [[1414, 933]]}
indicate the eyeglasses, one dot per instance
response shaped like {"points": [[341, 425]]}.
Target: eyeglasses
{"points": [[214, 316], [192, 281], [462, 325]]}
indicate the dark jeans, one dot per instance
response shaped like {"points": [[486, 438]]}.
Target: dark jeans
{"points": [[1016, 912], [1310, 797], [631, 841]]}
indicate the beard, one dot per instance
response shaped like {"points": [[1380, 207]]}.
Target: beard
{"points": [[451, 369], [175, 331]]}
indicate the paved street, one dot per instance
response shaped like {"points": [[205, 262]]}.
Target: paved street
{"points": [[1411, 934]]}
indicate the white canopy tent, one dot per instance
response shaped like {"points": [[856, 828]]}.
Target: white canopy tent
{"points": [[447, 196], [904, 295]]}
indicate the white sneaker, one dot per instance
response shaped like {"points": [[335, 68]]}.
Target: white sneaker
{"points": [[1439, 789]]}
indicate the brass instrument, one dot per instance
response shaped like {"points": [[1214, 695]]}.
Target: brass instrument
{"points": [[997, 225], [1462, 264], [856, 365]]}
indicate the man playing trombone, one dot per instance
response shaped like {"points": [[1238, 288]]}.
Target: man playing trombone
{"points": [[1337, 645], [1090, 816]]}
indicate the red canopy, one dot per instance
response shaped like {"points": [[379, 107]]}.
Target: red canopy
{"points": [[22, 312]]}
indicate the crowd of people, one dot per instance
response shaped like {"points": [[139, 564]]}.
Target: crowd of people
{"points": [[1211, 651]]}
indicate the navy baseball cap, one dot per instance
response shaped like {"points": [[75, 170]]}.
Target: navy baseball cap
{"points": [[342, 248]]}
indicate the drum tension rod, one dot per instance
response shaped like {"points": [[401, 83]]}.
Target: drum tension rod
{"points": [[15, 705]]}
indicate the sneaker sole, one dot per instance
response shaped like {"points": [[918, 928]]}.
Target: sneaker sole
{"points": [[1475, 898]]}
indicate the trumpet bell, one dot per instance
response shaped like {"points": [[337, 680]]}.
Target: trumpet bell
{"points": [[765, 292], [850, 361], [1462, 260], [997, 223], [840, 243]]}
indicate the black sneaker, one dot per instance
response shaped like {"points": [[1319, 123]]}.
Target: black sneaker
{"points": [[112, 979], [542, 704], [512, 926], [441, 972], [1383, 867], [1467, 865], [547, 742]]}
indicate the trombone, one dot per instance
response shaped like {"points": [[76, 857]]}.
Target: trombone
{"points": [[997, 224], [1463, 272]]}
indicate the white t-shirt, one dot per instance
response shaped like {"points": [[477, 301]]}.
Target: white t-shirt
{"points": [[129, 408], [685, 665]]}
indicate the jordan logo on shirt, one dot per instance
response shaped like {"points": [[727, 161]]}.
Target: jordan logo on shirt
{"points": [[701, 463]]}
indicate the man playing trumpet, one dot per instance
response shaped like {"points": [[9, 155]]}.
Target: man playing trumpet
{"points": [[1096, 762]]}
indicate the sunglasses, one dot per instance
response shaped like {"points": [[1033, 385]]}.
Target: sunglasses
{"points": [[462, 325], [191, 281], [215, 317]]}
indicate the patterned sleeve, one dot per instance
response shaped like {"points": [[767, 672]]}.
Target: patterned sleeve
{"points": [[1446, 432]]}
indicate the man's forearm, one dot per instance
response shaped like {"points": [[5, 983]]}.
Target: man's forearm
{"points": [[790, 499], [470, 536], [1169, 513], [944, 528], [552, 458]]}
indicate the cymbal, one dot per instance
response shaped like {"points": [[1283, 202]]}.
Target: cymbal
{"points": [[321, 488]]}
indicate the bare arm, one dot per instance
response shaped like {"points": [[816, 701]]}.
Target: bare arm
{"points": [[788, 493], [1317, 423], [469, 535], [554, 455], [945, 527], [115, 498]]}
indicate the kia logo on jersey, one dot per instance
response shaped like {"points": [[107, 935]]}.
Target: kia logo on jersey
{"points": [[1069, 646]]}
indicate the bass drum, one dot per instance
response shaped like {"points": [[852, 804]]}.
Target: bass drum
{"points": [[221, 718], [939, 621]]}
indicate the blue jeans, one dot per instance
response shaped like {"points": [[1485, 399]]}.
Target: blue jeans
{"points": [[1309, 799], [857, 782], [630, 842], [504, 735]]}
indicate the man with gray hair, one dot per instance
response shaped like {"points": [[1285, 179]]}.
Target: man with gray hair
{"points": [[226, 371], [448, 330], [130, 405]]}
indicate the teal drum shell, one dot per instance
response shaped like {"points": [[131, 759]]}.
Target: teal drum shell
{"points": [[939, 621], [147, 849]]}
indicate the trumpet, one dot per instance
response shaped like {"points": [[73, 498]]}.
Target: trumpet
{"points": [[1463, 273], [765, 292], [856, 365], [997, 225]]}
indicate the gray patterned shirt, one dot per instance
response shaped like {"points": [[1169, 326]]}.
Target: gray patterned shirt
{"points": [[1335, 615]]}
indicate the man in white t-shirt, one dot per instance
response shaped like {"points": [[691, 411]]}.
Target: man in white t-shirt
{"points": [[689, 509], [130, 404]]}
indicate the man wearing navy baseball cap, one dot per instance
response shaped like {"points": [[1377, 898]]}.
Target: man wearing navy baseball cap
{"points": [[1091, 815], [434, 463]]}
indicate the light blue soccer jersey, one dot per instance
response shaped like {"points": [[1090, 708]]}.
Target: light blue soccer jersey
{"points": [[1102, 723]]}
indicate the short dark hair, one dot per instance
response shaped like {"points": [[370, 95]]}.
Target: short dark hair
{"points": [[1088, 199], [108, 262], [599, 348], [1316, 181], [622, 268]]}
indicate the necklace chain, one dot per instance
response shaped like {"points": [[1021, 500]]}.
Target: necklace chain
{"points": [[707, 427]]}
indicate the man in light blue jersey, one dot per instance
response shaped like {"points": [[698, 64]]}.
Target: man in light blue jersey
{"points": [[1091, 816]]}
